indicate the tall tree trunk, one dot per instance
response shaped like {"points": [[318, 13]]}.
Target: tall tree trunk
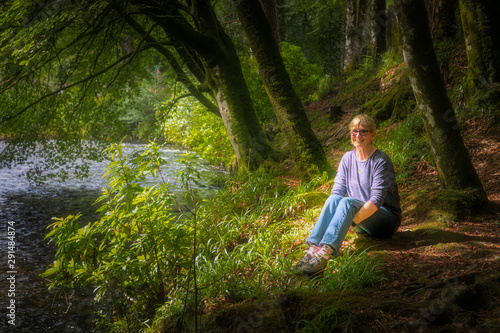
{"points": [[281, 12], [271, 11], [356, 12], [305, 148], [249, 141], [379, 28], [481, 28], [443, 25], [452, 158], [213, 51]]}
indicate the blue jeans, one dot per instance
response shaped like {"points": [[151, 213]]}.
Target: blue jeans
{"points": [[337, 216]]}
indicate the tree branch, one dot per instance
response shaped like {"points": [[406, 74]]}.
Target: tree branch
{"points": [[181, 75], [176, 27], [55, 92], [92, 30]]}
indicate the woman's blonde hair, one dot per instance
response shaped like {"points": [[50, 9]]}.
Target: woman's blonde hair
{"points": [[363, 120]]}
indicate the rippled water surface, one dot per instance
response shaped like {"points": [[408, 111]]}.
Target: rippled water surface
{"points": [[28, 210]]}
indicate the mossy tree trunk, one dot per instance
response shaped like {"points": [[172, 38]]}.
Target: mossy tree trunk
{"points": [[394, 42], [481, 29], [452, 158], [249, 141], [211, 56], [379, 28], [356, 14], [271, 11], [305, 148]]}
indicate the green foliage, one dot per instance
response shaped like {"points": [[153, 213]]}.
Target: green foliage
{"points": [[51, 85], [404, 143], [66, 75], [245, 238], [317, 27], [185, 122], [305, 76], [250, 238], [138, 254], [325, 87], [138, 108]]}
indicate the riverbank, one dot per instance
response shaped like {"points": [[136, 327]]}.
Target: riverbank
{"points": [[27, 210]]}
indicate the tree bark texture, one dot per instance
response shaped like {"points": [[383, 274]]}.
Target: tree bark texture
{"points": [[481, 29], [356, 15], [442, 17], [379, 28], [452, 158], [305, 148], [271, 11], [208, 48]]}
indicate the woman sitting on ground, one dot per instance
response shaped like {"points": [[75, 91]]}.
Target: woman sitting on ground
{"points": [[366, 175]]}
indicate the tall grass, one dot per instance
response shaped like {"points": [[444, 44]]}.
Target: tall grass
{"points": [[254, 232], [352, 270]]}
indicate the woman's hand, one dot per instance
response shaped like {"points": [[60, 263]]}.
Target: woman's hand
{"points": [[365, 212]]}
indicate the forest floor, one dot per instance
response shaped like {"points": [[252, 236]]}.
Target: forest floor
{"points": [[442, 272], [441, 268]]}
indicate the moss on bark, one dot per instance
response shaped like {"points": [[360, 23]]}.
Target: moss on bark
{"points": [[392, 105], [452, 158], [211, 56], [305, 148], [480, 25], [249, 141]]}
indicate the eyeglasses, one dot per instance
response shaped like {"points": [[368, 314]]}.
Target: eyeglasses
{"points": [[359, 132]]}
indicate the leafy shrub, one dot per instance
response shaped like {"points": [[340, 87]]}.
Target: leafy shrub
{"points": [[305, 76], [135, 256], [137, 106]]}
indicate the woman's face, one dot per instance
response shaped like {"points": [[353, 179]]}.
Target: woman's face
{"points": [[361, 137]]}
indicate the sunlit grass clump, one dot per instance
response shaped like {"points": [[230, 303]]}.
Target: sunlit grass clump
{"points": [[255, 231]]}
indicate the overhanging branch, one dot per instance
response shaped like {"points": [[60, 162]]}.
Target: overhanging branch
{"points": [[181, 75], [55, 92]]}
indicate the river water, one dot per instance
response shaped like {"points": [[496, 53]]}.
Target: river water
{"points": [[25, 212]]}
